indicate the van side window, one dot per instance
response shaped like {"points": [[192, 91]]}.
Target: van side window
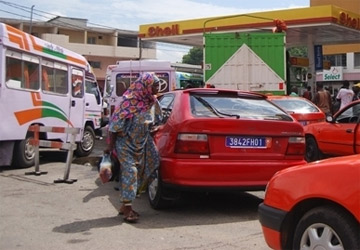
{"points": [[31, 73], [61, 80], [123, 81], [77, 83], [92, 88], [22, 71], [14, 78], [54, 77]]}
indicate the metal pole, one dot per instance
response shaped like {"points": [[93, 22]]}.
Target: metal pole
{"points": [[140, 49], [31, 15]]}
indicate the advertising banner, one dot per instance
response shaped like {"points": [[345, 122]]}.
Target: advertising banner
{"points": [[334, 74], [318, 54]]}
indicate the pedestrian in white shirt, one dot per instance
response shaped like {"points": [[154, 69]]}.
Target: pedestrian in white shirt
{"points": [[345, 95]]}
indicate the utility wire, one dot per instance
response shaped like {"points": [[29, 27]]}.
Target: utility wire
{"points": [[64, 24]]}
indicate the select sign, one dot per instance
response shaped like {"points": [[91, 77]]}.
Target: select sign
{"points": [[334, 74]]}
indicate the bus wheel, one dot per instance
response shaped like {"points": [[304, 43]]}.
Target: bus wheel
{"points": [[85, 147], [24, 153]]}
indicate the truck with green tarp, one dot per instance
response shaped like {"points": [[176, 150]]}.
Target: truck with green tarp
{"points": [[246, 61]]}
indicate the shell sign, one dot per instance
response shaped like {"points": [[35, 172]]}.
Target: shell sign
{"points": [[349, 21], [167, 31]]}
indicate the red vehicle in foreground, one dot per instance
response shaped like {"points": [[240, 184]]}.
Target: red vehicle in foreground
{"points": [[212, 138], [303, 110], [339, 135], [314, 206]]}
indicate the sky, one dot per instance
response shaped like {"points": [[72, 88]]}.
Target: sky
{"points": [[129, 14]]}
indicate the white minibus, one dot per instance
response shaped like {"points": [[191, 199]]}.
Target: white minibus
{"points": [[43, 83], [120, 75]]}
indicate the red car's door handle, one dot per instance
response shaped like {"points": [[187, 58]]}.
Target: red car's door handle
{"points": [[349, 130]]}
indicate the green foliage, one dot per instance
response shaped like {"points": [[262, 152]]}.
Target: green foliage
{"points": [[195, 56], [298, 51]]}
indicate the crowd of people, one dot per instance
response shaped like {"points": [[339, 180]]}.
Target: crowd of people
{"points": [[325, 101]]}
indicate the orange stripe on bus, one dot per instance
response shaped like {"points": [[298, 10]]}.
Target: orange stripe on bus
{"points": [[79, 61], [28, 115], [36, 99], [17, 40], [35, 45], [21, 34]]}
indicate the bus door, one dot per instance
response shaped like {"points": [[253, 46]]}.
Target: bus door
{"points": [[77, 100]]}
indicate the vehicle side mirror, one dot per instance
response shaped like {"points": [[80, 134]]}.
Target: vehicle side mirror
{"points": [[109, 91], [329, 118]]}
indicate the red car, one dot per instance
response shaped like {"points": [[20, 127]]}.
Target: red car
{"points": [[339, 135], [314, 206], [303, 110], [213, 138]]}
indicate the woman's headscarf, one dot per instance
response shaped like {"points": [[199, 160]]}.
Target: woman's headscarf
{"points": [[138, 97]]}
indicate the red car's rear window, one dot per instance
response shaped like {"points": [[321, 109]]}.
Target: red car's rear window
{"points": [[233, 105]]}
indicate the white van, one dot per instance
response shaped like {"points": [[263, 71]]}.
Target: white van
{"points": [[120, 75], [43, 83]]}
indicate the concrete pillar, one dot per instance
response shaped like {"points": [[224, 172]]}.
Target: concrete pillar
{"points": [[311, 56], [85, 37]]}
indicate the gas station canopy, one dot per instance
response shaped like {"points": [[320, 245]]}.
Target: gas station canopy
{"points": [[323, 25]]}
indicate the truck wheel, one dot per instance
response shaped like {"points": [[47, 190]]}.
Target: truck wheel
{"points": [[85, 147], [24, 153]]}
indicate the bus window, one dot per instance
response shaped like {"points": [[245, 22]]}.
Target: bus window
{"points": [[61, 78], [31, 75], [54, 77], [91, 87], [61, 81], [77, 79], [22, 71], [13, 72], [120, 87], [123, 81], [45, 83]]}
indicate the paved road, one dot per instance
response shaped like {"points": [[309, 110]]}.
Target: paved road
{"points": [[36, 214]]}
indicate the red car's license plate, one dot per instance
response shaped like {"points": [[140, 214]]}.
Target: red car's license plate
{"points": [[245, 142]]}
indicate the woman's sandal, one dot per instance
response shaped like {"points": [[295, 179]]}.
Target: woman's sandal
{"points": [[121, 212], [132, 217]]}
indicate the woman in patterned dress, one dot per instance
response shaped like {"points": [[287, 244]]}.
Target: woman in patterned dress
{"points": [[130, 135]]}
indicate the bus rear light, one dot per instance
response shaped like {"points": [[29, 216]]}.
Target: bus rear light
{"points": [[192, 144]]}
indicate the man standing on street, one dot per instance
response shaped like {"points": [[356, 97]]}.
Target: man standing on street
{"points": [[345, 95], [322, 99]]}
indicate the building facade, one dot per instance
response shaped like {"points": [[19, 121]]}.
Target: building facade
{"points": [[344, 58], [100, 46]]}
